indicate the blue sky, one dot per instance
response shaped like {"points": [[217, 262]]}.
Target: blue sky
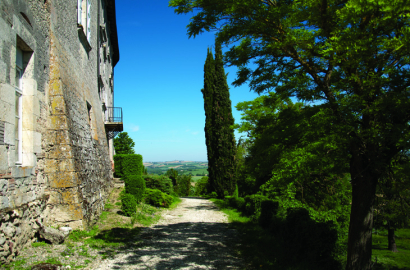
{"points": [[158, 81]]}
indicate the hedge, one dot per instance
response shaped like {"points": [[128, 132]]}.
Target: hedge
{"points": [[157, 198], [160, 182], [128, 204], [135, 185], [128, 165]]}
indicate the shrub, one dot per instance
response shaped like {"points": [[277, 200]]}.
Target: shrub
{"points": [[201, 186], [135, 185], [155, 197], [183, 185], [160, 182], [128, 165], [128, 204], [309, 241], [253, 205], [269, 208]]}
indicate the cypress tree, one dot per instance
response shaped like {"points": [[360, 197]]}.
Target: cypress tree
{"points": [[220, 139], [208, 92]]}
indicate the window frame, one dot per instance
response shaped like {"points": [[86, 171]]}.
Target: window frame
{"points": [[18, 110]]}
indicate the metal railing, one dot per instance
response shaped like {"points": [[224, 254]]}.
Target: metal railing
{"points": [[113, 114]]}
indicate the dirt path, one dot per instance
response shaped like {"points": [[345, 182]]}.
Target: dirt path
{"points": [[194, 235]]}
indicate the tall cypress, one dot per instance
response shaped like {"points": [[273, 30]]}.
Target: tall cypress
{"points": [[220, 139], [208, 92]]}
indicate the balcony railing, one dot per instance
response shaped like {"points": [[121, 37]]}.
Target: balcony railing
{"points": [[113, 121], [113, 114]]}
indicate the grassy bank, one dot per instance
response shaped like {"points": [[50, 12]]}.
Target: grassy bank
{"points": [[113, 233]]}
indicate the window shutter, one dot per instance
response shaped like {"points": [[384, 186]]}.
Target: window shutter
{"points": [[88, 20], [1, 132], [79, 11]]}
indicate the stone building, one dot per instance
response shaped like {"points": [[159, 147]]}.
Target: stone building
{"points": [[57, 120]]}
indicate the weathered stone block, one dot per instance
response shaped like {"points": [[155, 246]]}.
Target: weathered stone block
{"points": [[60, 152], [6, 112], [30, 87], [57, 105], [58, 122], [62, 137], [4, 164], [9, 137], [66, 213], [52, 235], [66, 165], [18, 171], [7, 93], [63, 179]]}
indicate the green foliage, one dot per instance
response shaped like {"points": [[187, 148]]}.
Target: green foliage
{"points": [[350, 58], [123, 144], [78, 235], [172, 174], [128, 164], [145, 215], [129, 204], [220, 140], [201, 186], [162, 183], [157, 198], [183, 185], [135, 185]]}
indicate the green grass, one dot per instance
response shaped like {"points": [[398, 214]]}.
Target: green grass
{"points": [[392, 260], [39, 244]]}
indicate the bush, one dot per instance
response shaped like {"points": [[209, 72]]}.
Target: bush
{"points": [[309, 241], [269, 209], [253, 205], [201, 186], [135, 185], [155, 197], [183, 185], [160, 182], [128, 165], [128, 204]]}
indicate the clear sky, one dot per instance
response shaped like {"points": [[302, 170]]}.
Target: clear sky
{"points": [[158, 81]]}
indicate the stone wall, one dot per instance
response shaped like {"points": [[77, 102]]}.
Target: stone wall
{"points": [[23, 25], [66, 174], [77, 157]]}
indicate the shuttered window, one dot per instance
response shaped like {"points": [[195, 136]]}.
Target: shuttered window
{"points": [[1, 132]]}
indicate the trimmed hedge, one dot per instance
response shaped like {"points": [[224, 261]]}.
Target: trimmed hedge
{"points": [[160, 182], [128, 204], [157, 198], [135, 185], [128, 165]]}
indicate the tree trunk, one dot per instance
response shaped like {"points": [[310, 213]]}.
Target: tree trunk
{"points": [[391, 239], [359, 248]]}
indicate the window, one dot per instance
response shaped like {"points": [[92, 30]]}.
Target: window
{"points": [[88, 32], [18, 109], [79, 11], [84, 17]]}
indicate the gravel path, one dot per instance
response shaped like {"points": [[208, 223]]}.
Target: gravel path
{"points": [[194, 235]]}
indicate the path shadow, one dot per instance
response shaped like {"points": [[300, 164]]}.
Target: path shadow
{"points": [[182, 246]]}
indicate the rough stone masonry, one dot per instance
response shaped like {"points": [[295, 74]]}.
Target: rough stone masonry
{"points": [[57, 61]]}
